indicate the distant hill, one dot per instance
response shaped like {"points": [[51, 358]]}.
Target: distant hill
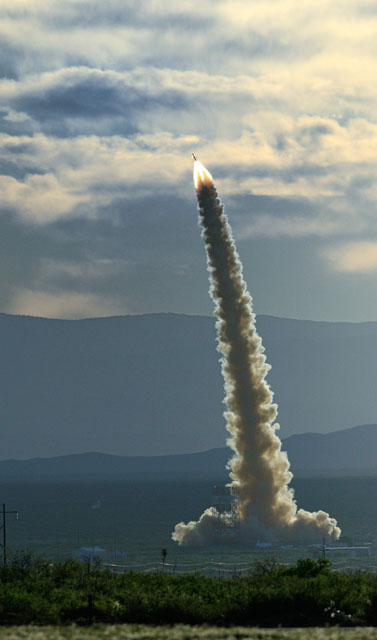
{"points": [[210, 462], [151, 384], [349, 452]]}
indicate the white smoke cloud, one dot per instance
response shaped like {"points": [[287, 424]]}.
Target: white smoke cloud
{"points": [[259, 469]]}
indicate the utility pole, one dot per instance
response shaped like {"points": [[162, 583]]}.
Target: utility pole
{"points": [[4, 528]]}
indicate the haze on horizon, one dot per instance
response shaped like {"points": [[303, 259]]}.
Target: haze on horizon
{"points": [[102, 105]]}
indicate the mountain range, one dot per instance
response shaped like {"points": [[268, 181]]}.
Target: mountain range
{"points": [[349, 452], [151, 385]]}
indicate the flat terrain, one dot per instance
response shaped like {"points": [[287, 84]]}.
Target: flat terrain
{"points": [[182, 632], [133, 520]]}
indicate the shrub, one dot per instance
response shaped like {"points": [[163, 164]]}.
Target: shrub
{"points": [[308, 593]]}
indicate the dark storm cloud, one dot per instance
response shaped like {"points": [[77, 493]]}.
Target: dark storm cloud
{"points": [[83, 101], [10, 56], [17, 171], [19, 148], [17, 127]]}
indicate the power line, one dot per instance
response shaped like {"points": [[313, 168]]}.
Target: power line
{"points": [[4, 528]]}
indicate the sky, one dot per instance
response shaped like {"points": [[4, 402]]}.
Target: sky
{"points": [[101, 106]]}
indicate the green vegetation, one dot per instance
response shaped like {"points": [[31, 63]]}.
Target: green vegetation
{"points": [[35, 591], [181, 632]]}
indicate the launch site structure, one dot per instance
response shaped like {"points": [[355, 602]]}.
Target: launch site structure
{"points": [[225, 510]]}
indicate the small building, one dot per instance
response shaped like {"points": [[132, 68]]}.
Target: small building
{"points": [[225, 510], [89, 553]]}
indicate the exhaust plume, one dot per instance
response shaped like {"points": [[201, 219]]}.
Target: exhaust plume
{"points": [[259, 469]]}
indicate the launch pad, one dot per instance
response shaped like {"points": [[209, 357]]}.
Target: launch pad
{"points": [[225, 511]]}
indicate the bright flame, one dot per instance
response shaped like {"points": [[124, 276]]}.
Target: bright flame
{"points": [[201, 174]]}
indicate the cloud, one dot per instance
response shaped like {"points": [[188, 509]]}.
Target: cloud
{"points": [[103, 103], [141, 14], [48, 177], [39, 198], [10, 57], [64, 305], [79, 176], [82, 101], [113, 36], [127, 256], [353, 257], [271, 226]]}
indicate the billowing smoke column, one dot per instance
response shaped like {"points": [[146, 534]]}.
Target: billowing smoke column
{"points": [[259, 469]]}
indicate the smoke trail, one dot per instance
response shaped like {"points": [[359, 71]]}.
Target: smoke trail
{"points": [[258, 468]]}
